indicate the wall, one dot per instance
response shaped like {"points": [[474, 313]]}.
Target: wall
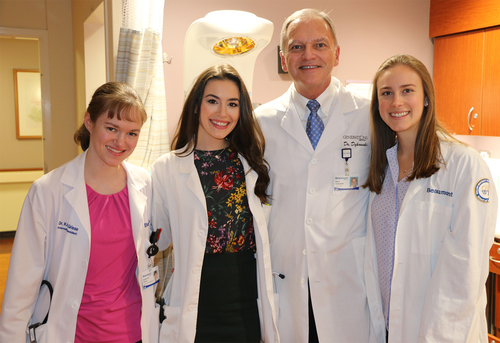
{"points": [[63, 20], [13, 189], [369, 31], [54, 16], [82, 10], [16, 153]]}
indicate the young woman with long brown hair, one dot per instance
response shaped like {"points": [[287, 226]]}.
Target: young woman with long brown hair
{"points": [[431, 218], [209, 194]]}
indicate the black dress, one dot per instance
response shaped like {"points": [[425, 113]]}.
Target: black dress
{"points": [[227, 308]]}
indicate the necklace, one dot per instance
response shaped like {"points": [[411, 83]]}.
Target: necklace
{"points": [[209, 152], [220, 153], [407, 171]]}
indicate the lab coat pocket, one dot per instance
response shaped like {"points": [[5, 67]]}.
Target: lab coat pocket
{"points": [[169, 331], [428, 226]]}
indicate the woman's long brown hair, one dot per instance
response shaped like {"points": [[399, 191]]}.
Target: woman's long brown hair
{"points": [[246, 138], [427, 154]]}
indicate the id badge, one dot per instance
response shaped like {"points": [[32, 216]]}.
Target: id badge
{"points": [[344, 182], [150, 277]]}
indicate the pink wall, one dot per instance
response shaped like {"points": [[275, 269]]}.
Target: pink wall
{"points": [[369, 31]]}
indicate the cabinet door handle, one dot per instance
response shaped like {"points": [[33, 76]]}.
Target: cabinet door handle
{"points": [[471, 127]]}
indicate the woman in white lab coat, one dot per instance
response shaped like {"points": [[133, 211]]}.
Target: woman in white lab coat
{"points": [[431, 217], [79, 254], [208, 196]]}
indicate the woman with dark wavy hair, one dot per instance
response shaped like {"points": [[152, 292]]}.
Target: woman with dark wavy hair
{"points": [[209, 200], [431, 218]]}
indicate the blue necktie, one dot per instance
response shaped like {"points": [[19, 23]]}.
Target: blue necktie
{"points": [[315, 125]]}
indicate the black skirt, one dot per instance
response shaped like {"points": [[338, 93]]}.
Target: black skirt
{"points": [[227, 309]]}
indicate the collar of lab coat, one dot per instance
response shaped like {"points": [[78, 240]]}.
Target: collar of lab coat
{"points": [[337, 124], [73, 176], [417, 184]]}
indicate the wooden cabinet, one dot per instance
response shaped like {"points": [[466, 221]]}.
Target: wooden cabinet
{"points": [[454, 16], [491, 83], [467, 81]]}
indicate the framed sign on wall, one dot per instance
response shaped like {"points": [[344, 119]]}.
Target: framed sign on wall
{"points": [[28, 101]]}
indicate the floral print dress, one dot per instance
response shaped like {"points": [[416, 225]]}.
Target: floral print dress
{"points": [[230, 222], [227, 305]]}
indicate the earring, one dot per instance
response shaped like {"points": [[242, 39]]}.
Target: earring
{"points": [[426, 102]]}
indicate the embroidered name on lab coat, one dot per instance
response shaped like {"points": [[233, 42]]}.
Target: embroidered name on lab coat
{"points": [[437, 191], [67, 227], [355, 140]]}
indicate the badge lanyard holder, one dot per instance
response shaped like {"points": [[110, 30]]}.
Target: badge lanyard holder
{"points": [[32, 328], [153, 248], [346, 155]]}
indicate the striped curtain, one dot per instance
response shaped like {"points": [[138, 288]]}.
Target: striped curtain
{"points": [[139, 64]]}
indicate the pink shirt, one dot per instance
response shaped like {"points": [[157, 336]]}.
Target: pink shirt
{"points": [[111, 304]]}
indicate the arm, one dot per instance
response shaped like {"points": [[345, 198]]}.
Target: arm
{"points": [[26, 269], [454, 305]]}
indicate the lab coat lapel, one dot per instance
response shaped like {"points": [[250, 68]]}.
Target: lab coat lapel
{"points": [[251, 180], [137, 201], [254, 202], [336, 125], [290, 121], [193, 183], [337, 116], [250, 175], [74, 178]]}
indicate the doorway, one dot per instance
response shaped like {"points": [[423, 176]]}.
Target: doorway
{"points": [[22, 38]]}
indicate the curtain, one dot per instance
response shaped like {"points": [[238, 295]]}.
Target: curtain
{"points": [[139, 64]]}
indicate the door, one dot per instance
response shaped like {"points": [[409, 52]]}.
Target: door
{"points": [[491, 84], [458, 73]]}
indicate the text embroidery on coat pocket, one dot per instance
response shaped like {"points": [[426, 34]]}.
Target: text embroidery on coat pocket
{"points": [[67, 227]]}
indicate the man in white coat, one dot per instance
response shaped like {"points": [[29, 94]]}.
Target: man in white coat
{"points": [[317, 225]]}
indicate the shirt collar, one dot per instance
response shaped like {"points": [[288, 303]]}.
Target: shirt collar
{"points": [[326, 101], [393, 164], [392, 161]]}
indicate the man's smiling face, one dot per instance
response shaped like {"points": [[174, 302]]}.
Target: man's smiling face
{"points": [[310, 55]]}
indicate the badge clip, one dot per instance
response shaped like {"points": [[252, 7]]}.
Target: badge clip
{"points": [[153, 239], [346, 154]]}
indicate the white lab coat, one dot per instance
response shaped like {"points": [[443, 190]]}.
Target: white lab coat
{"points": [[441, 256], [53, 243], [316, 232], [180, 210]]}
